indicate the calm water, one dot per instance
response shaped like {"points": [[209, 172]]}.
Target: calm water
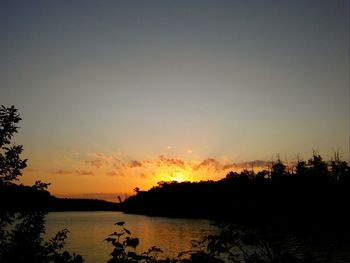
{"points": [[89, 229]]}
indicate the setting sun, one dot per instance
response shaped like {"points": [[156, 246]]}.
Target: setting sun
{"points": [[179, 177], [174, 172]]}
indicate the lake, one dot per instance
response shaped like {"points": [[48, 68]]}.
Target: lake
{"points": [[173, 235], [89, 229]]}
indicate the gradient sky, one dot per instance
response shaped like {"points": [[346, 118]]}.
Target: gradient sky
{"points": [[119, 94]]}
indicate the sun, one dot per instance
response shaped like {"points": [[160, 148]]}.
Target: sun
{"points": [[179, 177], [174, 173]]}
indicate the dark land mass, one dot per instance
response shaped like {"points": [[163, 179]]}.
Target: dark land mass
{"points": [[19, 198], [315, 195], [241, 199], [313, 210]]}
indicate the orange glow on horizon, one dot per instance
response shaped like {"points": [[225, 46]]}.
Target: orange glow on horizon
{"points": [[177, 174], [180, 178], [99, 173]]}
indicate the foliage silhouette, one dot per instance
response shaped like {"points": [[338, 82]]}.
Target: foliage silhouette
{"points": [[312, 191], [21, 231], [278, 169], [125, 247], [233, 244], [10, 162]]}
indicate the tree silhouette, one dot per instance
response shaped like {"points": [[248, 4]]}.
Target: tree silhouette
{"points": [[301, 168], [232, 175], [339, 169], [278, 169], [21, 231], [318, 167], [10, 162], [136, 190]]}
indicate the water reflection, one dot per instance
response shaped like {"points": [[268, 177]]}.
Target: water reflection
{"points": [[89, 229]]}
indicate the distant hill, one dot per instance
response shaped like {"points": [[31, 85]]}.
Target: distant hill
{"points": [[18, 197], [75, 204]]}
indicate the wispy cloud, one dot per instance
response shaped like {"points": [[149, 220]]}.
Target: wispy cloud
{"points": [[97, 163], [209, 163], [63, 172], [133, 164], [167, 168], [164, 161], [151, 170], [74, 172]]}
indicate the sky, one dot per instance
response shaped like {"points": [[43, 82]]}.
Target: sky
{"points": [[122, 94]]}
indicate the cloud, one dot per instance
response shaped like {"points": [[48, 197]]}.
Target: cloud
{"points": [[63, 172], [133, 164], [117, 172], [175, 167], [162, 160], [74, 172], [97, 163], [84, 173], [209, 163], [161, 167], [109, 164], [229, 166], [214, 164]]}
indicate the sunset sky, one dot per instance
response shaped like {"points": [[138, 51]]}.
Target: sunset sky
{"points": [[122, 94]]}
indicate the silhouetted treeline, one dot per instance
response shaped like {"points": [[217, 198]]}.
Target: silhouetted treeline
{"points": [[27, 198], [74, 204], [314, 191]]}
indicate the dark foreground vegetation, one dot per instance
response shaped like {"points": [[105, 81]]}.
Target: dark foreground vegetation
{"points": [[314, 192]]}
